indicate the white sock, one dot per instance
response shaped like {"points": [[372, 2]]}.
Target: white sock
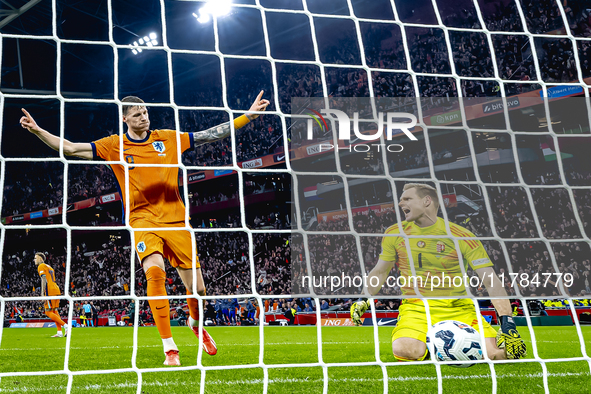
{"points": [[193, 323], [168, 344]]}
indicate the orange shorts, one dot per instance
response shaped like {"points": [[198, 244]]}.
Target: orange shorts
{"points": [[52, 304], [174, 245]]}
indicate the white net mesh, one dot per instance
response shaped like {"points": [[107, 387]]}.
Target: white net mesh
{"points": [[438, 66]]}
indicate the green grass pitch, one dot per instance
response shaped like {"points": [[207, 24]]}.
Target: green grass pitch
{"points": [[104, 348]]}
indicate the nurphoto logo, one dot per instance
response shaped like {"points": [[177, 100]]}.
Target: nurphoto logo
{"points": [[392, 123], [395, 122]]}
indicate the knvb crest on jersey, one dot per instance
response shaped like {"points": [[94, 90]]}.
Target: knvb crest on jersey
{"points": [[158, 146], [141, 247]]}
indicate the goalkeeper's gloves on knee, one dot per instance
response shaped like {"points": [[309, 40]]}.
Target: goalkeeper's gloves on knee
{"points": [[357, 310], [509, 339]]}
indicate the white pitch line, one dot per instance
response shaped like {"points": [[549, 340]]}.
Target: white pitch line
{"points": [[103, 388]]}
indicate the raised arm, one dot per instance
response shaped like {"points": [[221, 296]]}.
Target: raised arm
{"points": [[83, 150], [222, 131]]}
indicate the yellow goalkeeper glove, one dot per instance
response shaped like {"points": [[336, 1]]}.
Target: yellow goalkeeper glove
{"points": [[509, 339], [357, 310]]}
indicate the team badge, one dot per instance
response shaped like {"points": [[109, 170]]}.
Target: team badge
{"points": [[158, 146], [141, 247], [440, 247], [421, 244]]}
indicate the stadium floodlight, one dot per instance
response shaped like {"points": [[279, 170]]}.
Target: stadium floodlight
{"points": [[204, 18], [215, 8], [151, 40]]}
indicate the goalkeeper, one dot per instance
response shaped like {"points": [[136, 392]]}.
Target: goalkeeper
{"points": [[432, 257]]}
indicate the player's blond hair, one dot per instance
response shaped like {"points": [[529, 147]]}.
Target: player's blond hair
{"points": [[424, 190], [41, 254], [130, 99]]}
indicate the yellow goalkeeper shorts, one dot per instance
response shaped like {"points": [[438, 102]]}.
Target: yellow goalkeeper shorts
{"points": [[412, 319]]}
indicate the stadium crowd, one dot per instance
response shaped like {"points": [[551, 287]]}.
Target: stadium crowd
{"points": [[103, 270], [20, 278], [87, 181], [583, 201], [511, 213], [32, 186], [272, 263], [40, 189], [100, 272]]}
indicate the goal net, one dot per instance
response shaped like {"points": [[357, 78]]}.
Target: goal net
{"points": [[485, 101]]}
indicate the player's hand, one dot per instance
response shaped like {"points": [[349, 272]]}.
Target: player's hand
{"points": [[27, 122], [259, 104], [357, 310], [509, 339]]}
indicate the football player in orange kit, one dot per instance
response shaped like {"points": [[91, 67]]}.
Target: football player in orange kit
{"points": [[155, 202], [50, 288]]}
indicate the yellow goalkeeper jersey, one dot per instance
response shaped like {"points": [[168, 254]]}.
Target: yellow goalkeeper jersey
{"points": [[434, 257]]}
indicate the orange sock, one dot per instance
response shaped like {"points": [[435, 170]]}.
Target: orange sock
{"points": [[56, 318], [193, 305], [59, 322], [160, 308]]}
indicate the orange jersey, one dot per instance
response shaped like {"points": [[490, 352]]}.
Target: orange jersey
{"points": [[52, 288], [154, 199]]}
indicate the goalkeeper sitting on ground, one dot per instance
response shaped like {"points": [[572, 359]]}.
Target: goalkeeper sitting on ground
{"points": [[433, 257]]}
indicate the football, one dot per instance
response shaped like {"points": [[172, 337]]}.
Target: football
{"points": [[452, 340]]}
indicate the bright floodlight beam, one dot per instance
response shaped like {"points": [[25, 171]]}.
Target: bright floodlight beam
{"points": [[204, 18], [215, 8]]}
